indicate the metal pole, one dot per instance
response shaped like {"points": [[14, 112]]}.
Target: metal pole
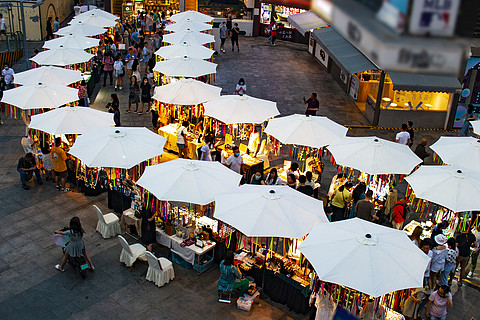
{"points": [[25, 46], [376, 115]]}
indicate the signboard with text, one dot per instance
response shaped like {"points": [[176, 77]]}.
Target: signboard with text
{"points": [[434, 17]]}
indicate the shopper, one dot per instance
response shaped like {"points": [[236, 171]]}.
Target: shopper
{"points": [[27, 167], [157, 41], [231, 277], [273, 34], [412, 304], [358, 194], [206, 149], [438, 302], [465, 241], [136, 70], [273, 179], [59, 165], [312, 105], [49, 29], [292, 181], [119, 73], [129, 59], [75, 247], [426, 246], [341, 199], [469, 116], [365, 209], [146, 89], [47, 163], [148, 228], [8, 76], [182, 139], [410, 132], [235, 161], [403, 137], [294, 169], [223, 36], [114, 107], [108, 67], [145, 53], [83, 94], [234, 33], [416, 234], [399, 213], [421, 151], [241, 87], [450, 262], [56, 24], [134, 90], [438, 260], [257, 178], [474, 258], [303, 188]]}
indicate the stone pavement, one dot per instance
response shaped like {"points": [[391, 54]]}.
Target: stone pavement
{"points": [[32, 289]]}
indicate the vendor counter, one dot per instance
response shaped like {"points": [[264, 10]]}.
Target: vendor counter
{"points": [[170, 133]]}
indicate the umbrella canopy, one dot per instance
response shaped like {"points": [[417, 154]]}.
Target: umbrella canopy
{"points": [[232, 109], [187, 92], [476, 126], [374, 155], [189, 180], [61, 57], [99, 13], [48, 75], [188, 36], [459, 151], [188, 24], [72, 41], [185, 49], [269, 211], [365, 256], [81, 29], [452, 187], [117, 147], [310, 131], [190, 15], [40, 96], [71, 120], [94, 20], [185, 67]]}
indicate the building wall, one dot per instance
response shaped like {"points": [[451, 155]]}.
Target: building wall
{"points": [[32, 21]]}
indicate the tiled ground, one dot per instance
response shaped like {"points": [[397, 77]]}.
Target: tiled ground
{"points": [[30, 288]]}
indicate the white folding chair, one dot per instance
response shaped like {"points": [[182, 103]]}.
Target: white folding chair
{"points": [[160, 270], [130, 253], [108, 225]]}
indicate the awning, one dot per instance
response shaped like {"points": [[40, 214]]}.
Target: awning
{"points": [[306, 21], [424, 82], [341, 51]]}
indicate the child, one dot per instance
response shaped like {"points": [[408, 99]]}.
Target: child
{"points": [[47, 162]]}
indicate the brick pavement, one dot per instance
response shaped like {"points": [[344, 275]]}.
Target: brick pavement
{"points": [[33, 289]]}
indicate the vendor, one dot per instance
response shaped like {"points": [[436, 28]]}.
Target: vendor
{"points": [[231, 277], [182, 139]]}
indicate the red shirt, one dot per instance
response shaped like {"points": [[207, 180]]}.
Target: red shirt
{"points": [[399, 212]]}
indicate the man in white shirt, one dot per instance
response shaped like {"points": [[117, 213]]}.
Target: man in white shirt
{"points": [[235, 162], [403, 137], [8, 74], [3, 25], [182, 139]]}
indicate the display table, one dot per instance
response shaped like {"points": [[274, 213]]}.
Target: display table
{"points": [[128, 219], [170, 133], [284, 290], [190, 254]]}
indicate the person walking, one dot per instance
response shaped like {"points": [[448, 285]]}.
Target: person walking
{"points": [[234, 33], [465, 241], [146, 89], [312, 105], [114, 107], [49, 29], [25, 166], [399, 213], [8, 75], [474, 258], [83, 94], [56, 24], [223, 36], [119, 69], [438, 302], [365, 209], [206, 149], [437, 264], [421, 151], [3, 26], [134, 90], [450, 262], [403, 137], [129, 59], [341, 199], [469, 116], [273, 34], [410, 132], [108, 67], [59, 165]]}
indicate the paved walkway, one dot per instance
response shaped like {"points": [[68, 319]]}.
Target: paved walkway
{"points": [[32, 289]]}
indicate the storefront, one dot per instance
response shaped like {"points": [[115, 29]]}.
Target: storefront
{"points": [[130, 9], [278, 11]]}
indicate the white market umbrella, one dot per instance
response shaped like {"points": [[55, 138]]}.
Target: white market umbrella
{"points": [[185, 49], [191, 15], [99, 13], [365, 256], [93, 20], [72, 41], [374, 155], [61, 57], [117, 147], [48, 75], [81, 29], [40, 96], [190, 181], [188, 24], [233, 109], [71, 120], [188, 36], [452, 187], [186, 92], [269, 211], [476, 126], [310, 131], [185, 67], [459, 151]]}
